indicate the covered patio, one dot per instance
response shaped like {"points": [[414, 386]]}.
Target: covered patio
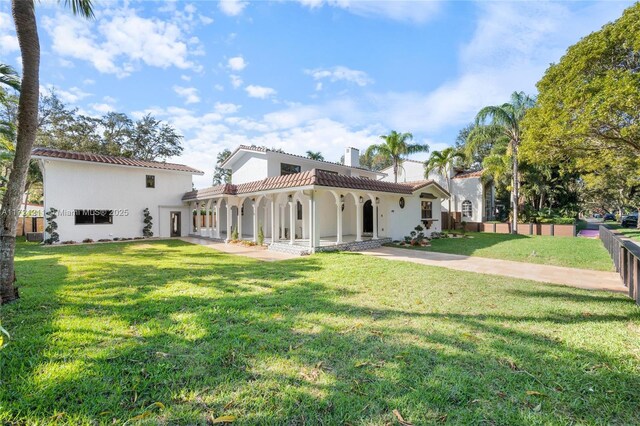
{"points": [[312, 209]]}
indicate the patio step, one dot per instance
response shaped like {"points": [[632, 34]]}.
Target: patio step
{"points": [[350, 246]]}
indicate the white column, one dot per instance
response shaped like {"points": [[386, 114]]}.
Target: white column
{"points": [[359, 207], [198, 219], [273, 221], [191, 218], [216, 216], [375, 220], [255, 222], [315, 222], [240, 220], [207, 218], [282, 222], [265, 225], [229, 220], [339, 221], [292, 221], [311, 227]]}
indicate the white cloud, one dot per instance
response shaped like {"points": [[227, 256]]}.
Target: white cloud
{"points": [[237, 63], [218, 87], [226, 108], [71, 96], [8, 39], [102, 108], [232, 7], [340, 73], [259, 92], [190, 94], [120, 41], [416, 11], [236, 81]]}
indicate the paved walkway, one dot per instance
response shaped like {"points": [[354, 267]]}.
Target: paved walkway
{"points": [[240, 250], [580, 278]]}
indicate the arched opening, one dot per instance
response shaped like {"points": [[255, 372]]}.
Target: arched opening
{"points": [[367, 217]]}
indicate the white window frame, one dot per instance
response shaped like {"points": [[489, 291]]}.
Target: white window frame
{"points": [[465, 213]]}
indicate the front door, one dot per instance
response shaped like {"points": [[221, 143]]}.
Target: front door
{"points": [[367, 218], [175, 224]]}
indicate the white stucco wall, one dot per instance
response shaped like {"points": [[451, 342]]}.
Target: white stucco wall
{"points": [[249, 167], [71, 185]]}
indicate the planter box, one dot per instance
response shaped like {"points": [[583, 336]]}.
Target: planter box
{"points": [[525, 229], [488, 227], [564, 230], [544, 229], [503, 228]]}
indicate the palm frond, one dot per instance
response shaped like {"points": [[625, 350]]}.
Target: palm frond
{"points": [[82, 8], [9, 77]]}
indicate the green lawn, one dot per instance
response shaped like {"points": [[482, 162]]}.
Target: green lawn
{"points": [[582, 253], [633, 233], [170, 333]]}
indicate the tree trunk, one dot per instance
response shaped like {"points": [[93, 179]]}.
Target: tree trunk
{"points": [[27, 32], [449, 215], [395, 170], [514, 228]]}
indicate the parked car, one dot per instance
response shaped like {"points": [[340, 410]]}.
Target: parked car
{"points": [[597, 216], [609, 216], [630, 220]]}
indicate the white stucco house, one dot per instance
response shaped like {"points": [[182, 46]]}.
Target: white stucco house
{"points": [[301, 204], [472, 200]]}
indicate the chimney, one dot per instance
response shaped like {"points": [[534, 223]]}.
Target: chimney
{"points": [[352, 157]]}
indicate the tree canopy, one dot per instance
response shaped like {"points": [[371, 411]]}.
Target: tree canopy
{"points": [[112, 134], [590, 100]]}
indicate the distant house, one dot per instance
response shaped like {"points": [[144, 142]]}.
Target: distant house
{"points": [[472, 200], [301, 204]]}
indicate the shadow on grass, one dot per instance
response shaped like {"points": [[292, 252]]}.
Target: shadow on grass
{"points": [[207, 333]]}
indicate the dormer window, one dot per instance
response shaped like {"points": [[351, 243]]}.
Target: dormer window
{"points": [[288, 169]]}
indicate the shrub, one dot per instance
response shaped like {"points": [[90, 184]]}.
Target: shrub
{"points": [[87, 240], [463, 230], [234, 234], [138, 238], [68, 242], [116, 239], [104, 240], [148, 224], [260, 236], [52, 226]]}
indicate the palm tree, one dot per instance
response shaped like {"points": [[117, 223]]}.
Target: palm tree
{"points": [[315, 155], [24, 19], [442, 162], [396, 147], [508, 117]]}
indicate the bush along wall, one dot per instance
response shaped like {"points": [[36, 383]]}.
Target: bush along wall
{"points": [[52, 226], [148, 224]]}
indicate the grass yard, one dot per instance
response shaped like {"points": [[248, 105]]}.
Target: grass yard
{"points": [[585, 253], [633, 233], [170, 333]]}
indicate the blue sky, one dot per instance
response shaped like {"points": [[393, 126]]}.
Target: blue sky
{"points": [[302, 75]]}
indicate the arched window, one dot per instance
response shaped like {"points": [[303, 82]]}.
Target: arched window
{"points": [[467, 209]]}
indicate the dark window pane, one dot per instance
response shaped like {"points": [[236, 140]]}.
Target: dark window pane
{"points": [[83, 217], [103, 216], [299, 209], [151, 181], [426, 211], [288, 169]]}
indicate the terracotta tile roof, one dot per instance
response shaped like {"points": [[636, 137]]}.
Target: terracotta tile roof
{"points": [[418, 184], [108, 159], [313, 177], [468, 174], [265, 149]]}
